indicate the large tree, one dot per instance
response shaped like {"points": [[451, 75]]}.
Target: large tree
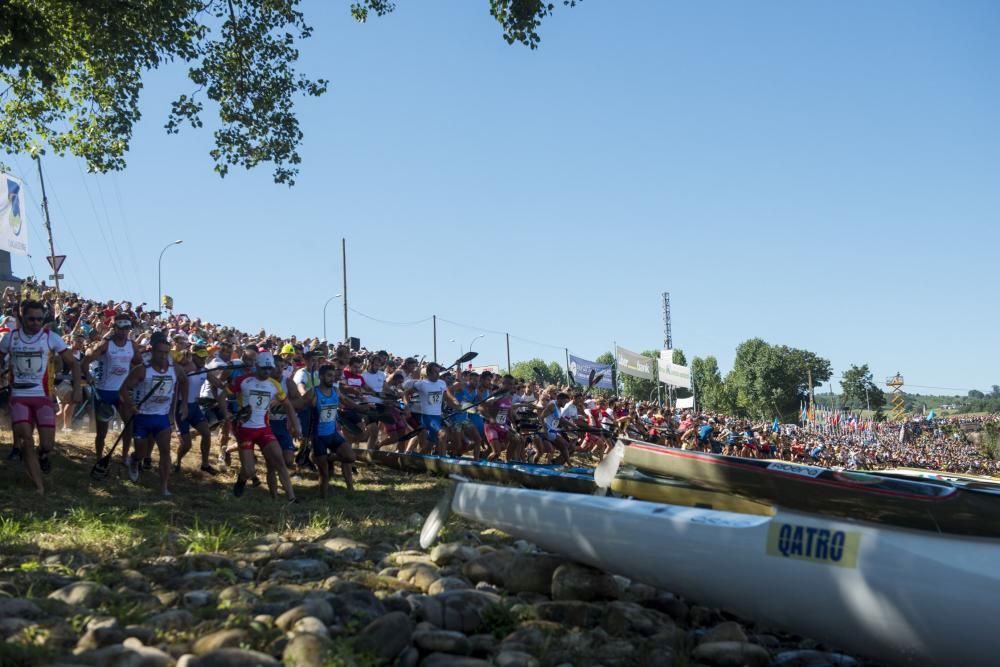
{"points": [[536, 370], [771, 380], [678, 358], [71, 72], [710, 390], [860, 389]]}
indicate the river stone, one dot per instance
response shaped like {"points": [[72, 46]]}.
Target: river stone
{"points": [[19, 608], [310, 625], [446, 660], [462, 610], [490, 568], [82, 593], [297, 569], [401, 558], [452, 552], [194, 599], [620, 618], [13, 625], [673, 607], [131, 653], [220, 639], [569, 612], [730, 631], [230, 657], [345, 548], [531, 573], [307, 650], [96, 638], [387, 636], [318, 608], [172, 619], [732, 654], [447, 584], [572, 581], [140, 632], [421, 575], [353, 600], [810, 658], [442, 641], [515, 659]]}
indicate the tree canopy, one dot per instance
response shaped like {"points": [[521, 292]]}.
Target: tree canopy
{"points": [[860, 389], [71, 73], [771, 380], [536, 370]]}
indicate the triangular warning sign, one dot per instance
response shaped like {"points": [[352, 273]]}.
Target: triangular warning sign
{"points": [[56, 261]]}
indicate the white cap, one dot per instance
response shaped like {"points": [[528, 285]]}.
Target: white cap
{"points": [[265, 360]]}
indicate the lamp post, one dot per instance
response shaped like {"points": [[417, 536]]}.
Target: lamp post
{"points": [[475, 339], [335, 296], [159, 274]]}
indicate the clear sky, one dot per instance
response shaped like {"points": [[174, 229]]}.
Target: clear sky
{"points": [[824, 175]]}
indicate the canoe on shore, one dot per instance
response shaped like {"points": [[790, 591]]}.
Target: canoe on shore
{"points": [[631, 483], [899, 596], [921, 504]]}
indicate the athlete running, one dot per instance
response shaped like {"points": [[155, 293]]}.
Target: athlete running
{"points": [[328, 444], [158, 386], [193, 366], [32, 348], [554, 423], [116, 355], [432, 393], [257, 392]]}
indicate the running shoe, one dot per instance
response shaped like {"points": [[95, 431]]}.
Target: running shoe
{"points": [[238, 488], [293, 501], [177, 468], [209, 470], [15, 454], [255, 481], [133, 469], [147, 463], [43, 461]]}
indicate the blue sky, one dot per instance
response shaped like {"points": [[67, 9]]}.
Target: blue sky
{"points": [[824, 175]]}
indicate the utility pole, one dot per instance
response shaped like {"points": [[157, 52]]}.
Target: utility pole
{"points": [[48, 222], [343, 261], [508, 354], [435, 320], [568, 380], [812, 394]]}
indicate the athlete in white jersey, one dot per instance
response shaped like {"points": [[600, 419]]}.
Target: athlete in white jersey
{"points": [[192, 364], [159, 385], [117, 355], [31, 349]]}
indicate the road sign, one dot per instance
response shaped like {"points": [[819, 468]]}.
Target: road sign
{"points": [[56, 276], [56, 262]]}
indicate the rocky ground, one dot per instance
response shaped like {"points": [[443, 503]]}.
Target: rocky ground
{"points": [[314, 596]]}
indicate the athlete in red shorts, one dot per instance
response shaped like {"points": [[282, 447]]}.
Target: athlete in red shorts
{"points": [[32, 350], [258, 391]]}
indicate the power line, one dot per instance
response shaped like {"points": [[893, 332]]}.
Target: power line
{"points": [[128, 236], [389, 322], [100, 227], [107, 216]]}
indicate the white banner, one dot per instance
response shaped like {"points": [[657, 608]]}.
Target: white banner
{"points": [[673, 374], [13, 220], [683, 403], [492, 368]]}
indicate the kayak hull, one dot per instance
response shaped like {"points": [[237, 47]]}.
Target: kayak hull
{"points": [[903, 597], [907, 503], [630, 483]]}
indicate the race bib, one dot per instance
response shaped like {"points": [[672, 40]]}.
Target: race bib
{"points": [[434, 397], [28, 364], [327, 414], [259, 400], [502, 417]]}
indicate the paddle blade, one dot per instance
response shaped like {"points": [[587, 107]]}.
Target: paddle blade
{"points": [[590, 379], [597, 379], [606, 470], [100, 469], [437, 518], [467, 357]]}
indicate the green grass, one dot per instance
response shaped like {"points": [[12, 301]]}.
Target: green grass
{"points": [[116, 518]]}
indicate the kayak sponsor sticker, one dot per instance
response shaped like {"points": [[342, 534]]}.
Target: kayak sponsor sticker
{"points": [[726, 520], [816, 545], [793, 469]]}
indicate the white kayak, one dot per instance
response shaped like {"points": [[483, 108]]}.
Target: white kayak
{"points": [[904, 597]]}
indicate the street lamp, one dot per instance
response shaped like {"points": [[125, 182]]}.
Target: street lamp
{"points": [[159, 274], [475, 339], [335, 296]]}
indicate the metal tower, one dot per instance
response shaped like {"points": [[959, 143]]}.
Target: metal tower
{"points": [[668, 339], [895, 383]]}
